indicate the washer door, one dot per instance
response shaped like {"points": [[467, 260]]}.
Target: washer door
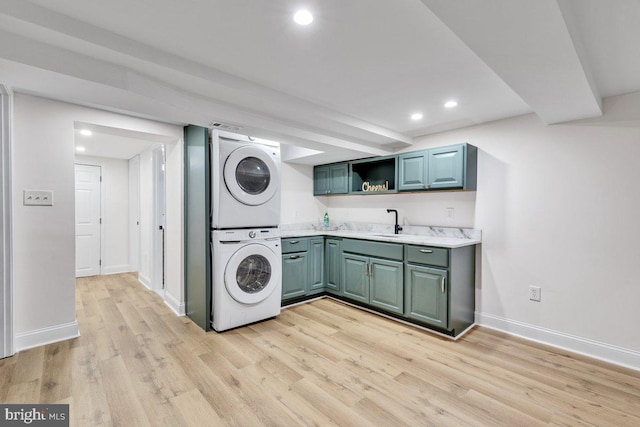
{"points": [[252, 274], [251, 175]]}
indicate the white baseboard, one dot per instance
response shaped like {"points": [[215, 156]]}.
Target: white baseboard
{"points": [[39, 337], [115, 269], [598, 350], [176, 306], [144, 280]]}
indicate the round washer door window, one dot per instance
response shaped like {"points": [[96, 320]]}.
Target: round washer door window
{"points": [[251, 175], [251, 274]]}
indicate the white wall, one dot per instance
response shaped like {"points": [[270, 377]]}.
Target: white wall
{"points": [[44, 243], [558, 209], [174, 240], [297, 201], [115, 212]]}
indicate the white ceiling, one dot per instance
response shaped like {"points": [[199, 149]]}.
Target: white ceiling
{"points": [[344, 86]]}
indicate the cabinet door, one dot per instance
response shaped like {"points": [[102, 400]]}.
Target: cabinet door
{"points": [[355, 279], [321, 180], [446, 167], [339, 179], [387, 286], [413, 170], [294, 275], [426, 295], [332, 256], [316, 266]]}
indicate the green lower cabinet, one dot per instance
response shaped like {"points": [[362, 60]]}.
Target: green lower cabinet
{"points": [[316, 266], [373, 281], [426, 295], [294, 275], [355, 277], [332, 253], [387, 286]]}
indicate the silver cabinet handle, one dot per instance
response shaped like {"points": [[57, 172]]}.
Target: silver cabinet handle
{"points": [[442, 285], [294, 257], [426, 251], [294, 242]]}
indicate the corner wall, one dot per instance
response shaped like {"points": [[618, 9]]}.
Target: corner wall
{"points": [[44, 244]]}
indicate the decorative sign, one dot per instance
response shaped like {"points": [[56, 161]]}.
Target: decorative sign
{"points": [[375, 187]]}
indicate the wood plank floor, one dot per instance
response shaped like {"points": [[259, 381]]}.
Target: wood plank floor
{"points": [[321, 363]]}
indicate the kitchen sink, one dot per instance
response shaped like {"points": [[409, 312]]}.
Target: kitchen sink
{"points": [[388, 235]]}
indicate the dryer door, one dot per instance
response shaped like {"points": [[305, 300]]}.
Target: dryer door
{"points": [[252, 273], [251, 175]]}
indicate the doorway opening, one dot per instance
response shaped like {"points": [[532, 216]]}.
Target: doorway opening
{"points": [[127, 203]]}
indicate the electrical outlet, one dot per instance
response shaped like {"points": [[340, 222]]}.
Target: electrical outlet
{"points": [[450, 213], [535, 293]]}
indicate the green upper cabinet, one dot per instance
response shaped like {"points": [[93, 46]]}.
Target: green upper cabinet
{"points": [[446, 167], [331, 179], [412, 174]]}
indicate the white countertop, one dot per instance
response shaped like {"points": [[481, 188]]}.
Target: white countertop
{"points": [[447, 240]]}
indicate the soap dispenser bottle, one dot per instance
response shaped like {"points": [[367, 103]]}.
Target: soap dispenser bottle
{"points": [[326, 219]]}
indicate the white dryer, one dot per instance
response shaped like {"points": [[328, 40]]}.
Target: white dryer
{"points": [[247, 276], [245, 182]]}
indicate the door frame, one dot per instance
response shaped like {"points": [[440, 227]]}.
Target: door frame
{"points": [[7, 347], [158, 201], [102, 206], [134, 213]]}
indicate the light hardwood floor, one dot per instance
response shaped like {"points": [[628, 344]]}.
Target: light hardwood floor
{"points": [[320, 363]]}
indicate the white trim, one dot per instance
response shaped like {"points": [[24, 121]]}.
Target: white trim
{"points": [[7, 339], [50, 335], [176, 306], [587, 347], [144, 280], [115, 269]]}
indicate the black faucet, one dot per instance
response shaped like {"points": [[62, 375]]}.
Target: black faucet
{"points": [[397, 229]]}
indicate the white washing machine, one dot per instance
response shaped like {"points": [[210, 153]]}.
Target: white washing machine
{"points": [[247, 276], [245, 182]]}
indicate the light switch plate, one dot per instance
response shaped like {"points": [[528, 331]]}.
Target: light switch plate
{"points": [[37, 198]]}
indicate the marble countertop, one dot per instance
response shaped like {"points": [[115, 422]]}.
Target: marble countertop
{"points": [[429, 236]]}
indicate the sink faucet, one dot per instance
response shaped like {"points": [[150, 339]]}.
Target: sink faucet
{"points": [[397, 229]]}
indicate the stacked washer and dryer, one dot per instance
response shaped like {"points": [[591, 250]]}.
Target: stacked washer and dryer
{"points": [[245, 238]]}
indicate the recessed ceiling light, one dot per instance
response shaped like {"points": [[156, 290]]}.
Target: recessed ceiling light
{"points": [[450, 104], [80, 149], [86, 132], [303, 17], [416, 116]]}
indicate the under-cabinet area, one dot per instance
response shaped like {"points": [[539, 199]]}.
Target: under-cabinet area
{"points": [[426, 285]]}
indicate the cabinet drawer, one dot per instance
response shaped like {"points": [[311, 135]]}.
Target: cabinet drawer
{"points": [[295, 244], [428, 255], [376, 249]]}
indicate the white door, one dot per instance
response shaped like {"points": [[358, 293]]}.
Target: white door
{"points": [[87, 220]]}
